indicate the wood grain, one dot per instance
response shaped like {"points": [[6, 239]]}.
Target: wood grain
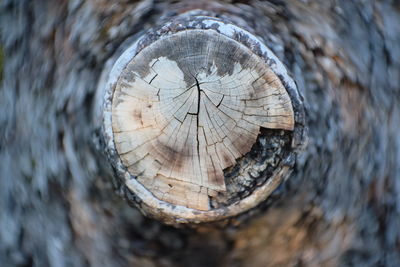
{"points": [[187, 107]]}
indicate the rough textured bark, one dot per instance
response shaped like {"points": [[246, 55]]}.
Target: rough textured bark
{"points": [[339, 208]]}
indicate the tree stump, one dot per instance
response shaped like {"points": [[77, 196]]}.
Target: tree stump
{"points": [[189, 110]]}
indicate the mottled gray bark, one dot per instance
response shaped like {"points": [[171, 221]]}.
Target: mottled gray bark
{"points": [[340, 207]]}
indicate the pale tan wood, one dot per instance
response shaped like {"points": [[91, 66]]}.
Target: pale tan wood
{"points": [[188, 106]]}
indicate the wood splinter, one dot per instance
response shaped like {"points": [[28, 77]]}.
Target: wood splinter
{"points": [[183, 104]]}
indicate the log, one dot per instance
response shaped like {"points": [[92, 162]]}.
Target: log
{"points": [[184, 104]]}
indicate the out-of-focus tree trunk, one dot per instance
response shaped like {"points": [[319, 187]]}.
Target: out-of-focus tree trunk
{"points": [[339, 208]]}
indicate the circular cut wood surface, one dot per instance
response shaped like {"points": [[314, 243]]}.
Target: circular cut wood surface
{"points": [[189, 105]]}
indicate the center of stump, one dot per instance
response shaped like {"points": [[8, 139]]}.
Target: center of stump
{"points": [[187, 107]]}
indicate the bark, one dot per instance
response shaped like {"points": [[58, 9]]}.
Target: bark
{"points": [[340, 207]]}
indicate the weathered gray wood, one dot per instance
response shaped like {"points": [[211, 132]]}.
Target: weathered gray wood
{"points": [[339, 208]]}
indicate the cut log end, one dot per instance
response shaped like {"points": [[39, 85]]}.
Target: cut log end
{"points": [[187, 106]]}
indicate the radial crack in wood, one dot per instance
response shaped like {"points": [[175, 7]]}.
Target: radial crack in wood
{"points": [[187, 106]]}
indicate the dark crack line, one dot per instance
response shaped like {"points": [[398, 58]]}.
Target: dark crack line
{"points": [[197, 121], [222, 99], [198, 99], [153, 78], [198, 112]]}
